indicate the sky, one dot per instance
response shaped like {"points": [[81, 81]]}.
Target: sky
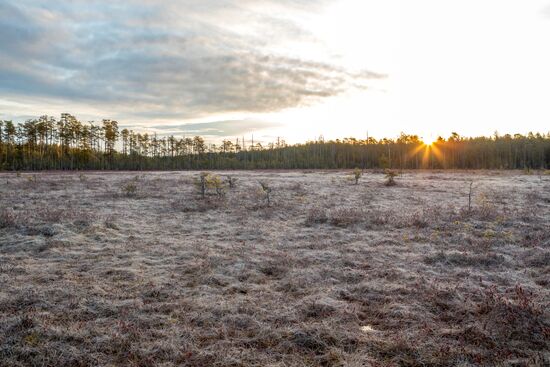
{"points": [[295, 69]]}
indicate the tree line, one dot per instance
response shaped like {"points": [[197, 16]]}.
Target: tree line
{"points": [[66, 143]]}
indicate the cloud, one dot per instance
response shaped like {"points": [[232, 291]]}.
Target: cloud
{"points": [[179, 59], [219, 128]]}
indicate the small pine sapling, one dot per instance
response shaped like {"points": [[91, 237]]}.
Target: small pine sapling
{"points": [[231, 181], [357, 173], [267, 192], [390, 178], [208, 181], [216, 183], [470, 197], [130, 189], [201, 183]]}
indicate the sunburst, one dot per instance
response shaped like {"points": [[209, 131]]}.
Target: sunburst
{"points": [[429, 151]]}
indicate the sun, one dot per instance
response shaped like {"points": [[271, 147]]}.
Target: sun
{"points": [[429, 141]]}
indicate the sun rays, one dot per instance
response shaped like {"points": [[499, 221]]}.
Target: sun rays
{"points": [[429, 151]]}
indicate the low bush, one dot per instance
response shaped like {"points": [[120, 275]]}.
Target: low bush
{"points": [[110, 222], [381, 217], [130, 189], [515, 318], [316, 215], [345, 217], [390, 178], [357, 173], [50, 215], [209, 181], [485, 209], [196, 205], [465, 259], [266, 190], [8, 218], [231, 181]]}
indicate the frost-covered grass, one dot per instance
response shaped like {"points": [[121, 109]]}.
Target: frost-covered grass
{"points": [[331, 274]]}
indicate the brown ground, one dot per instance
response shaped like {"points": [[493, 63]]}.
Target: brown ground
{"points": [[330, 274]]}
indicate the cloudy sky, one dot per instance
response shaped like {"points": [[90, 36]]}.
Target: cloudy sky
{"points": [[291, 68]]}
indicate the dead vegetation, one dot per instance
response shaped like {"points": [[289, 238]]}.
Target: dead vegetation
{"points": [[311, 272], [8, 218]]}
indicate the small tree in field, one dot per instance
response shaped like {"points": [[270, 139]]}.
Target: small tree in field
{"points": [[231, 181], [130, 189], [267, 191], [470, 197], [216, 183], [357, 173], [390, 178], [208, 181], [201, 183]]}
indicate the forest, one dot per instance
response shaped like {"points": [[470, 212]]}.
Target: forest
{"points": [[47, 143]]}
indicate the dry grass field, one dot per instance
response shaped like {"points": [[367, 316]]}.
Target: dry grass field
{"points": [[136, 269]]}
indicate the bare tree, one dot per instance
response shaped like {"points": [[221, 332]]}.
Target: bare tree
{"points": [[470, 197]]}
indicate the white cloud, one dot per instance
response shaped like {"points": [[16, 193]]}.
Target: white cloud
{"points": [[184, 59]]}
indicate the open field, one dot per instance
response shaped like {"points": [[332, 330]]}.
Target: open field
{"points": [[331, 274]]}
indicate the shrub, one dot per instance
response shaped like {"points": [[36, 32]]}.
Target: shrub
{"points": [[381, 217], [231, 181], [424, 217], [130, 189], [32, 180], [208, 181], [309, 342], [297, 187], [344, 217], [47, 231], [318, 309], [201, 183], [267, 192], [316, 215], [272, 269], [514, 317], [465, 259], [470, 196], [50, 215], [8, 218], [419, 220], [357, 173], [82, 218], [195, 206], [216, 183], [390, 178], [110, 222], [485, 209]]}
